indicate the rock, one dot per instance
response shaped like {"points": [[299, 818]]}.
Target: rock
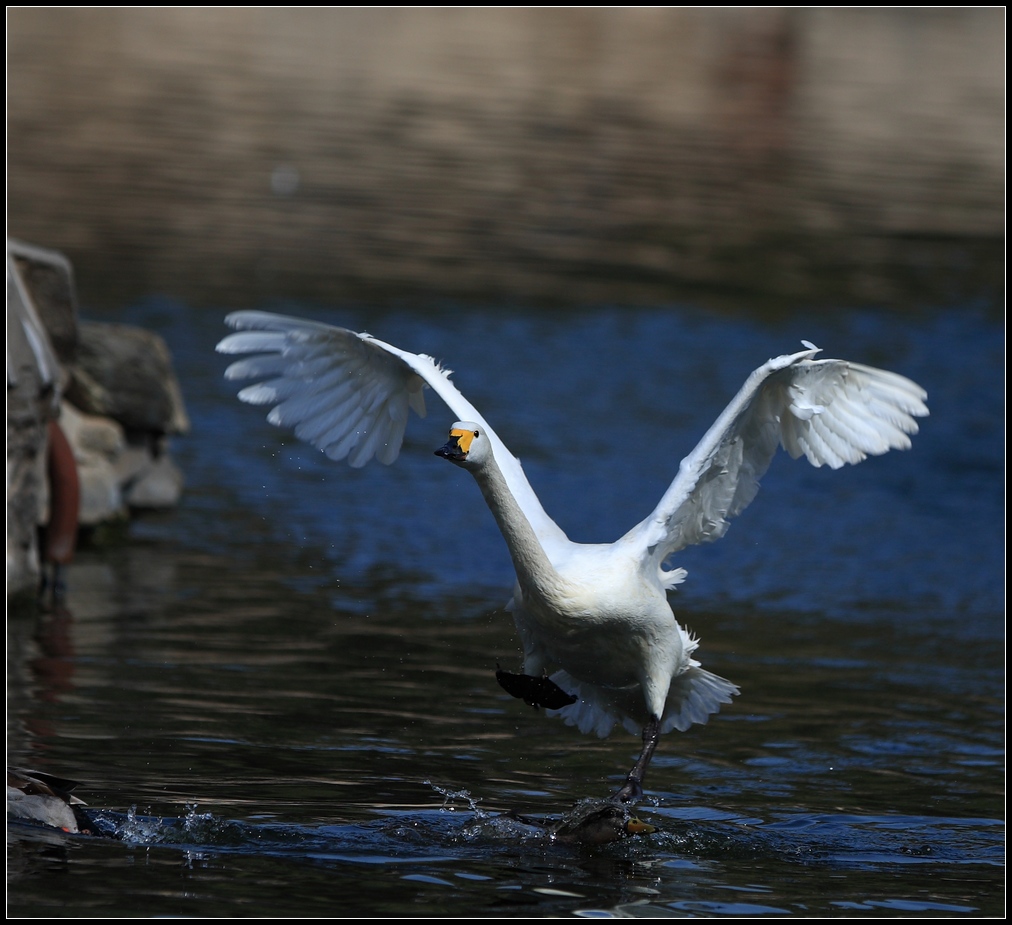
{"points": [[125, 373], [98, 445], [117, 399], [149, 477], [159, 485], [119, 470], [90, 434]]}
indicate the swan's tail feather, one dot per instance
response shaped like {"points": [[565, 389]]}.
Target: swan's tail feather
{"points": [[694, 696], [594, 710]]}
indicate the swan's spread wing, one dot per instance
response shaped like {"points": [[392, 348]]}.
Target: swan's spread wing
{"points": [[831, 411], [348, 394], [334, 388]]}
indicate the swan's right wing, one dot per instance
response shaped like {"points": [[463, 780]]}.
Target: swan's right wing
{"points": [[349, 394]]}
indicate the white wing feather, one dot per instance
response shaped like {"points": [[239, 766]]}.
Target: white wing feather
{"points": [[348, 394], [831, 411]]}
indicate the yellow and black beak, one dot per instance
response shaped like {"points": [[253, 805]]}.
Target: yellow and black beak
{"points": [[636, 826], [456, 448]]}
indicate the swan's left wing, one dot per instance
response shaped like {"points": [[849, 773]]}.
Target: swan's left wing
{"points": [[349, 394], [831, 411]]}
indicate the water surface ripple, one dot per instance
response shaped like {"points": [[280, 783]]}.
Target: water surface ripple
{"points": [[281, 696]]}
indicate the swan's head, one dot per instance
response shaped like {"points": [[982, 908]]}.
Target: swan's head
{"points": [[467, 445]]}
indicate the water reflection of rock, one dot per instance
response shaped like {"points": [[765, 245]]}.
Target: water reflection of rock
{"points": [[573, 155], [109, 391]]}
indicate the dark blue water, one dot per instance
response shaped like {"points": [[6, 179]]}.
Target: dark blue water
{"points": [[282, 695]]}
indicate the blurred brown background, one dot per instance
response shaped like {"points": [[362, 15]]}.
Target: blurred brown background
{"points": [[238, 156]]}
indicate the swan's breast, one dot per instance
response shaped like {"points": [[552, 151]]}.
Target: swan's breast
{"points": [[603, 622]]}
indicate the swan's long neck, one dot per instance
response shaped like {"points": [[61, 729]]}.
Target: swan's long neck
{"points": [[533, 567]]}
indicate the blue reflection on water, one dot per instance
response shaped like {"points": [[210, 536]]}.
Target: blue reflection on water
{"points": [[873, 572]]}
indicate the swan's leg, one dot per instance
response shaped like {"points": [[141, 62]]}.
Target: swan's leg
{"points": [[632, 789]]}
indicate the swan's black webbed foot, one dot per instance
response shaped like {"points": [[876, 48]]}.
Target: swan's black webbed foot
{"points": [[535, 692]]}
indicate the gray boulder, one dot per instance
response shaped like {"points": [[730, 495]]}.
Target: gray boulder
{"points": [[125, 373]]}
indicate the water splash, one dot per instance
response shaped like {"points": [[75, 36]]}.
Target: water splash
{"points": [[464, 796], [138, 830]]}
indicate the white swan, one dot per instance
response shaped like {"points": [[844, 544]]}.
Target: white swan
{"points": [[598, 614]]}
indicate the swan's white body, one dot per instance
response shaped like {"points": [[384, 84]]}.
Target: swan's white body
{"points": [[598, 614]]}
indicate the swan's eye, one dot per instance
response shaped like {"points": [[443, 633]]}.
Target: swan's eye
{"points": [[476, 433]]}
